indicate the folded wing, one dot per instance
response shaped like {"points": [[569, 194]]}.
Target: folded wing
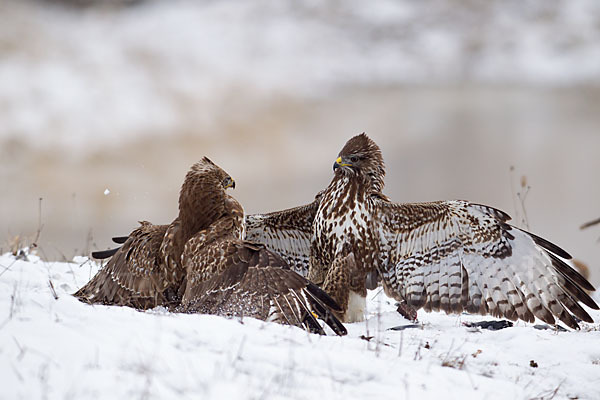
{"points": [[235, 278]]}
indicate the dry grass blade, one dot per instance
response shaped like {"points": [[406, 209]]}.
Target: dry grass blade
{"points": [[51, 285], [591, 223], [547, 395]]}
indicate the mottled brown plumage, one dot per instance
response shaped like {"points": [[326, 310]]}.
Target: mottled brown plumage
{"points": [[200, 264], [146, 271], [446, 255], [132, 277], [232, 277]]}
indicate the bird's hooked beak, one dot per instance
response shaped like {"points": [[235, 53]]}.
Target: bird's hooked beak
{"points": [[340, 163], [229, 183]]}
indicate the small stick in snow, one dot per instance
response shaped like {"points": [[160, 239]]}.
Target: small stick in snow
{"points": [[52, 289]]}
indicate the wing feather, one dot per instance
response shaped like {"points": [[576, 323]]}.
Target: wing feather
{"points": [[455, 255], [104, 254], [236, 278], [132, 276], [287, 233]]}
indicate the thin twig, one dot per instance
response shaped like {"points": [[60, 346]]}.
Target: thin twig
{"points": [[7, 268], [522, 197], [549, 394], [512, 189], [52, 289], [418, 352], [13, 302], [591, 223], [378, 327], [40, 226], [400, 344]]}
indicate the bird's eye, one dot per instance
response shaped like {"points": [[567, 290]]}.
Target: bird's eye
{"points": [[354, 159], [228, 182]]}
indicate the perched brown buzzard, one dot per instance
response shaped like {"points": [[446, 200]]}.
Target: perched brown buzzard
{"points": [[445, 255], [200, 264]]}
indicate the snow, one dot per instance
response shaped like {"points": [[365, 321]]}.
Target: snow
{"points": [[57, 347]]}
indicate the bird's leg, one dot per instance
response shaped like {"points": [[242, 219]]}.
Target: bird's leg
{"points": [[357, 302], [407, 311], [337, 284], [357, 305], [372, 279]]}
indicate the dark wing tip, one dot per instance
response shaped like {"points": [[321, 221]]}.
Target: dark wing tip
{"points": [[569, 320], [320, 294], [103, 254], [548, 245], [335, 324], [331, 320], [569, 273], [120, 239], [312, 324], [322, 304]]}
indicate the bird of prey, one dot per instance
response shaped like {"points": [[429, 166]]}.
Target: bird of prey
{"points": [[200, 264], [447, 255]]}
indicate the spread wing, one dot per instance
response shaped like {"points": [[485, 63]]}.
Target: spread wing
{"points": [[287, 233], [455, 256], [132, 276], [235, 278]]}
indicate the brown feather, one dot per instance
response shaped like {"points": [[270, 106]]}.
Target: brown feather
{"points": [[240, 279], [131, 275]]}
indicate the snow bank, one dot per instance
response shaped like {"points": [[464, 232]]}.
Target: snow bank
{"points": [[55, 347]]}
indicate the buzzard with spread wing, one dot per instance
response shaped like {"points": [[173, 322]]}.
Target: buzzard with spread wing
{"points": [[448, 255], [199, 263]]}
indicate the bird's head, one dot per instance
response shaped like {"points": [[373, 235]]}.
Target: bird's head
{"points": [[205, 175], [361, 156], [203, 194]]}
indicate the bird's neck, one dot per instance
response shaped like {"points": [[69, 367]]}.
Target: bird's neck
{"points": [[235, 211], [343, 194], [189, 227], [203, 217], [199, 211], [366, 184]]}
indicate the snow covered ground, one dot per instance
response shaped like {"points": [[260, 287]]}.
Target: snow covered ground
{"points": [[54, 347]]}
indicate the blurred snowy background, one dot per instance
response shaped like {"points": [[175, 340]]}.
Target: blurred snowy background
{"points": [[126, 95]]}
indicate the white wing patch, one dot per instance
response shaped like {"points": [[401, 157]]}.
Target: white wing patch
{"points": [[456, 256]]}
